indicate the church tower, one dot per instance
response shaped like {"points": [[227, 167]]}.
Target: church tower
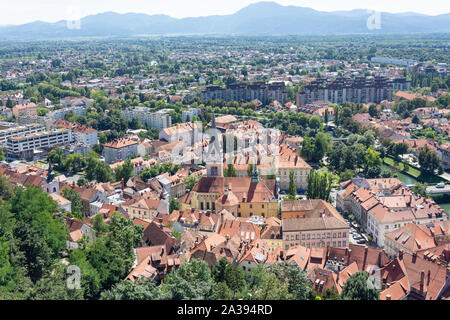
{"points": [[255, 175], [213, 157]]}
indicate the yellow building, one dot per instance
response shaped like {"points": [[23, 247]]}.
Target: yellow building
{"points": [[271, 234], [244, 197], [281, 163]]}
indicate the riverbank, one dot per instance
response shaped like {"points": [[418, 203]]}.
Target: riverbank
{"points": [[409, 170]]}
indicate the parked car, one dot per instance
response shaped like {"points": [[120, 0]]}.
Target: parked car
{"points": [[440, 185]]}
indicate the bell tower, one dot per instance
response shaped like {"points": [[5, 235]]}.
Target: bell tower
{"points": [[214, 158]]}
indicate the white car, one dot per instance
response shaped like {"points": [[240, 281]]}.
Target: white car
{"points": [[440, 185]]}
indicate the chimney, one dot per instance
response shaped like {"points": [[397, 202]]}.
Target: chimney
{"points": [[428, 277], [388, 297], [422, 279], [400, 254]]}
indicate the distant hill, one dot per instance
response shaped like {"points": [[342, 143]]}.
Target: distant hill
{"points": [[262, 18]]}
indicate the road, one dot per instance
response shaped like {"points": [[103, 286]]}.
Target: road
{"points": [[434, 190]]}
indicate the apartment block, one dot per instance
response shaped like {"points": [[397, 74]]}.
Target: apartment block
{"points": [[120, 149], [340, 90], [154, 120], [24, 146], [246, 92], [19, 131]]}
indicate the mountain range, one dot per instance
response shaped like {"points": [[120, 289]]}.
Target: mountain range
{"points": [[262, 18]]}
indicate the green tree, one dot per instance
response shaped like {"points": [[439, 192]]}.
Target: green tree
{"points": [[230, 171], [357, 288], [173, 205], [429, 161], [373, 111], [74, 197], [372, 158], [6, 190], [110, 256], [192, 281], [54, 287], [141, 289], [299, 285], [40, 235], [74, 163], [420, 189], [319, 185], [331, 294], [56, 157], [191, 180], [292, 186], [7, 272], [266, 285], [125, 171]]}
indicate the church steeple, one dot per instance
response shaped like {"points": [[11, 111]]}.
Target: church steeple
{"points": [[255, 175], [213, 122], [50, 173]]}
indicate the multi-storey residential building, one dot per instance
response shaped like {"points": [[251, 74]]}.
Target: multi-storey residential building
{"points": [[443, 152], [401, 84], [257, 91], [153, 120], [188, 115], [340, 90], [313, 223], [247, 92], [276, 91], [27, 109], [82, 134], [60, 114], [185, 132], [214, 93], [19, 131], [412, 238], [141, 207], [384, 205], [120, 149], [24, 146], [69, 102]]}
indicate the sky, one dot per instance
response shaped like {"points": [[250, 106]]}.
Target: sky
{"points": [[23, 11]]}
